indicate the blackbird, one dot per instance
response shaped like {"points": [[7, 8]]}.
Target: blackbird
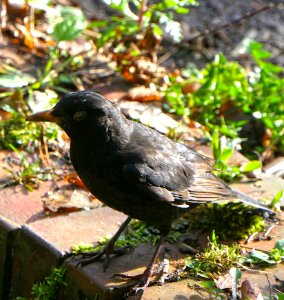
{"points": [[134, 169]]}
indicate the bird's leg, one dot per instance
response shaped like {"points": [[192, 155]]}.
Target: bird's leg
{"points": [[107, 249], [144, 278], [163, 269]]}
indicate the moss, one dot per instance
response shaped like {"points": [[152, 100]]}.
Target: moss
{"points": [[231, 221]]}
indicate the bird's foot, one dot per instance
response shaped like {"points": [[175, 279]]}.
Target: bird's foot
{"points": [[90, 257], [107, 250], [143, 281]]}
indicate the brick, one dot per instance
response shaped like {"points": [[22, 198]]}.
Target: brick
{"points": [[32, 261], [17, 207], [42, 239], [7, 230]]}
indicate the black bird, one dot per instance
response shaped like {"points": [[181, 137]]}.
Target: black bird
{"points": [[133, 168]]}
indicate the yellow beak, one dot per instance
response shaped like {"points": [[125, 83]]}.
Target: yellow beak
{"points": [[44, 116]]}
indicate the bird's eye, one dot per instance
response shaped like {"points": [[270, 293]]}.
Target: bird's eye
{"points": [[79, 115]]}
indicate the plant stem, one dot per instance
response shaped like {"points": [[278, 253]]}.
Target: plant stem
{"points": [[141, 13]]}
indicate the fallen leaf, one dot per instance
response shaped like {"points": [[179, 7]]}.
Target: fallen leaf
{"points": [[266, 138], [16, 9], [68, 199], [225, 282], [190, 87], [74, 179], [5, 115], [250, 292], [143, 94], [25, 33], [229, 280]]}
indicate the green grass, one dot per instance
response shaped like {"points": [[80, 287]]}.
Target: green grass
{"points": [[226, 85]]}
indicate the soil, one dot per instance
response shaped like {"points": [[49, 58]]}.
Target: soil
{"points": [[266, 27]]}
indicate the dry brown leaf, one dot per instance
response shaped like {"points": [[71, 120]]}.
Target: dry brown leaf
{"points": [[5, 115], [250, 291], [266, 138], [65, 137], [73, 178], [26, 35], [16, 9], [139, 69], [143, 94], [225, 282], [190, 87], [151, 41], [68, 199]]}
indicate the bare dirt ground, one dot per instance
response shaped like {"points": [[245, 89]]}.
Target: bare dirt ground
{"points": [[266, 27]]}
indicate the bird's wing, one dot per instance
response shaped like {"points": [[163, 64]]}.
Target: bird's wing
{"points": [[179, 183], [174, 173], [153, 183]]}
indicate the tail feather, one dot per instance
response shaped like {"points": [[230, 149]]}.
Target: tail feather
{"points": [[251, 201]]}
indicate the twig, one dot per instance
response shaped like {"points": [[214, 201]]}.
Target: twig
{"points": [[252, 248], [141, 12], [253, 271], [251, 237], [3, 24], [278, 291], [167, 55], [269, 284], [269, 229]]}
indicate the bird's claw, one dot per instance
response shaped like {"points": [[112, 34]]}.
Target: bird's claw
{"points": [[143, 281], [90, 257], [125, 276], [123, 250]]}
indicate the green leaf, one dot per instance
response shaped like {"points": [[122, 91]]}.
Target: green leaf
{"points": [[257, 51], [258, 257], [280, 296], [236, 274], [251, 166], [49, 287], [68, 29], [271, 67], [97, 24], [215, 144], [72, 24], [207, 284], [182, 10], [157, 30], [226, 154], [15, 80], [276, 198], [280, 245], [214, 238]]}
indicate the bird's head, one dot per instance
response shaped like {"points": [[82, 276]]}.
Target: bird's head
{"points": [[80, 112]]}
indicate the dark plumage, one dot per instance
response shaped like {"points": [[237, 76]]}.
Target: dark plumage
{"points": [[135, 169]]}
